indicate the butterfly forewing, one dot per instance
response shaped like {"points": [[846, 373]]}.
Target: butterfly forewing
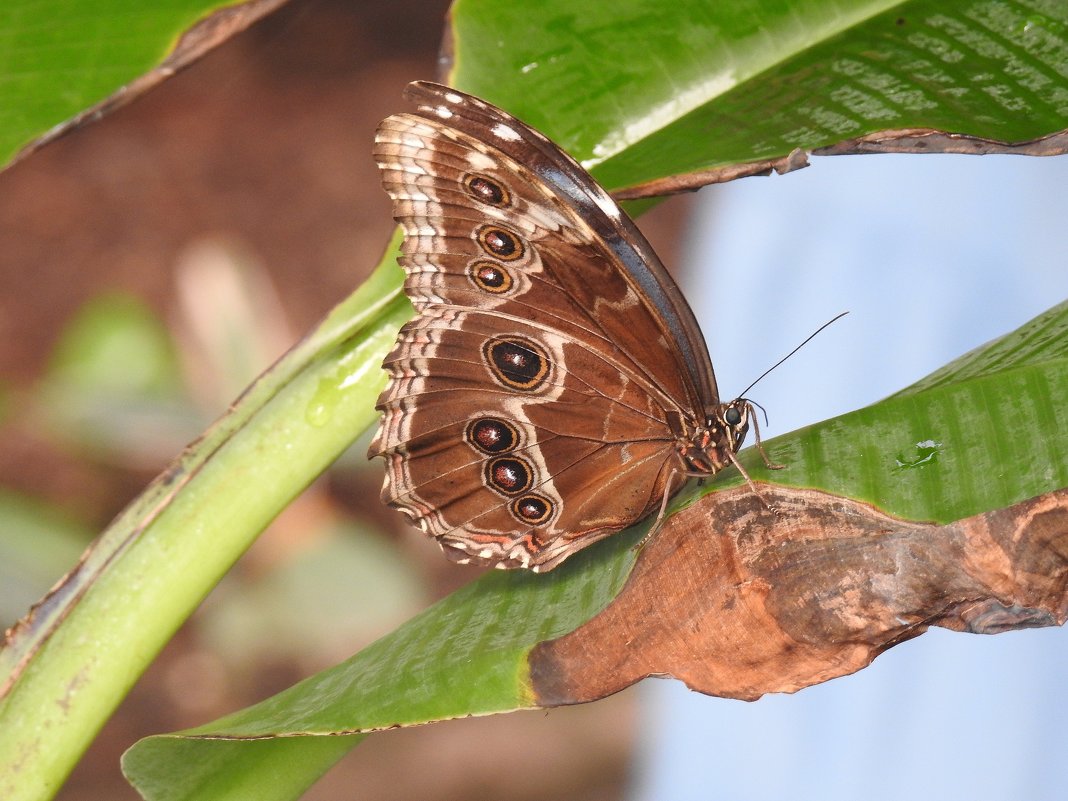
{"points": [[424, 167], [615, 233]]}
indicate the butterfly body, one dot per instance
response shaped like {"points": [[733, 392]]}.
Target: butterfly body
{"points": [[554, 382]]}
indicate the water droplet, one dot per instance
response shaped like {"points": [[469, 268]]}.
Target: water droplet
{"points": [[323, 403], [1032, 23], [924, 453]]}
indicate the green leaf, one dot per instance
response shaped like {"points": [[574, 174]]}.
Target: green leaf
{"points": [[58, 57], [115, 344], [467, 654], [115, 355], [984, 432], [641, 89]]}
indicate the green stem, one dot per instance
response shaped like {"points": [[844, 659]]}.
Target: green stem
{"points": [[75, 658]]}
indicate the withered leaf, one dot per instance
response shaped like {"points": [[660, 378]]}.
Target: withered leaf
{"points": [[737, 599]]}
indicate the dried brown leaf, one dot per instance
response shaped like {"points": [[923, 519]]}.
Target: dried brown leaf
{"points": [[910, 140], [737, 600]]}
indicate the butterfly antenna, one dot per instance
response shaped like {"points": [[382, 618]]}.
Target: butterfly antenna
{"points": [[808, 339], [762, 409]]}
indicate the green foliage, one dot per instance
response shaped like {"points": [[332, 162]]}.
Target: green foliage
{"points": [[58, 57], [637, 90]]}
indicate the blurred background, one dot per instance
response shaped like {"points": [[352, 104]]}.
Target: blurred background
{"points": [[154, 263]]}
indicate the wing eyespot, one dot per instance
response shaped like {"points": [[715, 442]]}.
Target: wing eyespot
{"points": [[491, 435], [509, 475], [490, 277], [486, 190], [500, 242], [516, 362], [532, 509]]}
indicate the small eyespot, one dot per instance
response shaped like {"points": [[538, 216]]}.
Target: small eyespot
{"points": [[500, 242], [509, 475], [532, 509], [491, 435], [487, 190], [490, 277]]}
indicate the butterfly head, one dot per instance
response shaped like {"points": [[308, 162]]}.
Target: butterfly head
{"points": [[729, 423], [711, 447]]}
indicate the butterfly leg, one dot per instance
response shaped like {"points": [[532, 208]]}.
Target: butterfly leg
{"points": [[763, 454], [749, 480]]}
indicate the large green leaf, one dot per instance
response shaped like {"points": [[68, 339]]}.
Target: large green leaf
{"points": [[467, 655], [643, 89]]}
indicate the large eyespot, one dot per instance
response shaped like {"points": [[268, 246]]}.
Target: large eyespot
{"points": [[509, 475], [532, 509], [491, 435], [487, 190], [516, 362], [490, 277], [500, 242]]}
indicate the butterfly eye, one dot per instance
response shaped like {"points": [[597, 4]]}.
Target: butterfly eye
{"points": [[732, 416]]}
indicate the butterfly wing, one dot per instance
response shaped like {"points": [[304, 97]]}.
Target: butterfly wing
{"points": [[534, 402]]}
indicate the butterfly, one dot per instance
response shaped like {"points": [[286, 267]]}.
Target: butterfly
{"points": [[554, 387]]}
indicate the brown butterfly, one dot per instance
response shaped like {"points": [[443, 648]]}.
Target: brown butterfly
{"points": [[555, 387]]}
